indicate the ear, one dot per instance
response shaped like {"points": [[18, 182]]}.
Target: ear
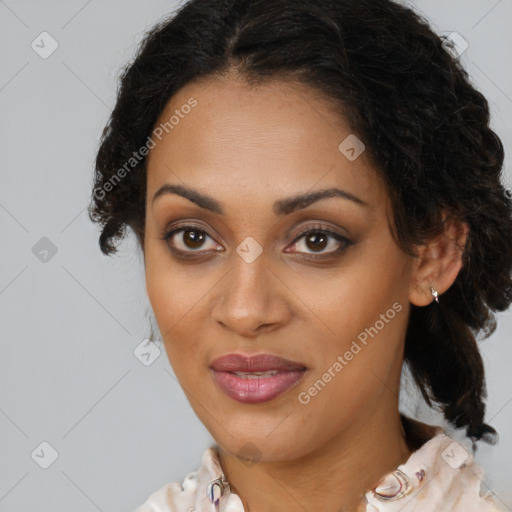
{"points": [[438, 262]]}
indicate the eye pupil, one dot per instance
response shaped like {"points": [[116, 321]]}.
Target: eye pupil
{"points": [[195, 237], [316, 244]]}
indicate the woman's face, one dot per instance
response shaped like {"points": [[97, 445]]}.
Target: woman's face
{"points": [[240, 277]]}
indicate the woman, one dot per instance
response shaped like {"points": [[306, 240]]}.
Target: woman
{"points": [[316, 191]]}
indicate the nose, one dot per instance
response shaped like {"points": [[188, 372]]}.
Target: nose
{"points": [[251, 298]]}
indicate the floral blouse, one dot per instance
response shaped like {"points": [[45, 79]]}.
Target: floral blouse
{"points": [[440, 476]]}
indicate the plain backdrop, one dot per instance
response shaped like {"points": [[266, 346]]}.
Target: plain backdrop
{"points": [[85, 425]]}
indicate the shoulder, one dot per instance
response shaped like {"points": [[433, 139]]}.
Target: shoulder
{"points": [[440, 476]]}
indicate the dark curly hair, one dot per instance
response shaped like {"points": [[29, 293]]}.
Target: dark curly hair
{"points": [[425, 127]]}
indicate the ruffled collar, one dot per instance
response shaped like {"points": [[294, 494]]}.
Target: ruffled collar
{"points": [[437, 457]]}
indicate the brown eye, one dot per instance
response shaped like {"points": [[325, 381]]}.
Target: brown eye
{"points": [[316, 241], [187, 239], [193, 239]]}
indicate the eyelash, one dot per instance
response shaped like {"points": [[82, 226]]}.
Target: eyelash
{"points": [[318, 229]]}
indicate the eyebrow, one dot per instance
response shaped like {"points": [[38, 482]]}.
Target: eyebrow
{"points": [[281, 206]]}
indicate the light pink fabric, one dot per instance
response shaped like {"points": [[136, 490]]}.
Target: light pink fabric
{"points": [[451, 482]]}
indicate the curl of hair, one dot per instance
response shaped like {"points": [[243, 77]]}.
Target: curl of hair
{"points": [[425, 127]]}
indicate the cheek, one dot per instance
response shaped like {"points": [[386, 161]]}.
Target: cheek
{"points": [[345, 300], [355, 373], [174, 303], [364, 310]]}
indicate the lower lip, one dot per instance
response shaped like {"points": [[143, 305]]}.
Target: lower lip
{"points": [[255, 391]]}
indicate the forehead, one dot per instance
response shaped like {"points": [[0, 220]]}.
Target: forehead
{"points": [[270, 139]]}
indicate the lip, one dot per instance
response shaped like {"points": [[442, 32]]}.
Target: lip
{"points": [[252, 388], [254, 363]]}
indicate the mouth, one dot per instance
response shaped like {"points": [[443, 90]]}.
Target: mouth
{"points": [[256, 379]]}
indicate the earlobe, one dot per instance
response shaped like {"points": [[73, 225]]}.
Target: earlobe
{"points": [[438, 263]]}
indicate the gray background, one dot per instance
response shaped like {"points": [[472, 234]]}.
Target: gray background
{"points": [[72, 319]]}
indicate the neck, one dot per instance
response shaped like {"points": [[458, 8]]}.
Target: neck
{"points": [[334, 478]]}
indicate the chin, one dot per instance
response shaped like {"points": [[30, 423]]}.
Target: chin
{"points": [[262, 444]]}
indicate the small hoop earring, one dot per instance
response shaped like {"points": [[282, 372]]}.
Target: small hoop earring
{"points": [[434, 294]]}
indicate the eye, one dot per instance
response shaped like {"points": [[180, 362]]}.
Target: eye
{"points": [[191, 239], [317, 239], [188, 238]]}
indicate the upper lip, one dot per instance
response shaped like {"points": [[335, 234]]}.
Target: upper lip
{"points": [[254, 363]]}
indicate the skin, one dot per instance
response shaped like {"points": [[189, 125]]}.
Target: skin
{"points": [[248, 147]]}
